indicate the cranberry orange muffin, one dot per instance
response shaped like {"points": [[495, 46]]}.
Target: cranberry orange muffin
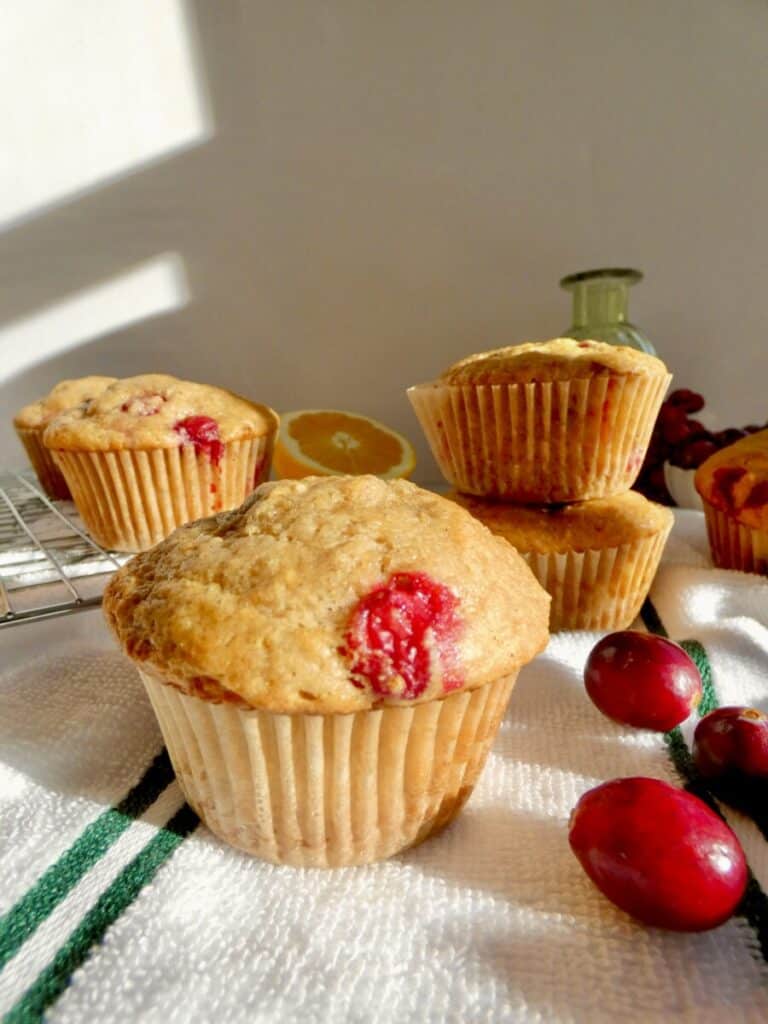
{"points": [[328, 663], [733, 484], [31, 421], [597, 559], [152, 452], [544, 422]]}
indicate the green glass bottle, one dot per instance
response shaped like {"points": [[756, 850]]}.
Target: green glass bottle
{"points": [[600, 304]]}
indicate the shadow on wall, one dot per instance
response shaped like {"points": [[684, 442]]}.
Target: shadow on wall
{"points": [[150, 270], [274, 253]]}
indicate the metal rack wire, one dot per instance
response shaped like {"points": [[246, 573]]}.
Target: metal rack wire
{"points": [[48, 564]]}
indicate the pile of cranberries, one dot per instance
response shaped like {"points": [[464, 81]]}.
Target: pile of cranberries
{"points": [[683, 441], [654, 850]]}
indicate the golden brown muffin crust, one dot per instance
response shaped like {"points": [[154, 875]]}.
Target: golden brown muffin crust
{"points": [[259, 601], [559, 359], [146, 411], [65, 395], [584, 526], [735, 480]]}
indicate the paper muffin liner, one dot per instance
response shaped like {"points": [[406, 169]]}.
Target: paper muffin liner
{"points": [[328, 790], [130, 500], [544, 441], [600, 588], [48, 473], [733, 545]]}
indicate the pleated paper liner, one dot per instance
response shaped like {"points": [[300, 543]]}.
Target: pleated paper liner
{"points": [[328, 790], [541, 442], [130, 500], [598, 589], [733, 545], [48, 473]]}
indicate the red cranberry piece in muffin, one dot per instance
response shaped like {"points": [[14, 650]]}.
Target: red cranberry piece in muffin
{"points": [[203, 433], [398, 631]]}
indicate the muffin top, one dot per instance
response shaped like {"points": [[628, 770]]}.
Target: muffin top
{"points": [[330, 594], [735, 480], [158, 411], [586, 525], [66, 395], [560, 359]]}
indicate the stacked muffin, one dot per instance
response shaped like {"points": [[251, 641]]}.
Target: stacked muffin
{"points": [[543, 442]]}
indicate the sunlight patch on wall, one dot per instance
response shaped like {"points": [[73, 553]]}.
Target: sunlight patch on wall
{"points": [[92, 90], [157, 286]]}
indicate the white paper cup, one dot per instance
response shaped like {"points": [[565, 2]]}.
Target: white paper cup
{"points": [[328, 790]]}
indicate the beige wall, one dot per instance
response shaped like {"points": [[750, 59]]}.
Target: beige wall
{"points": [[321, 203]]}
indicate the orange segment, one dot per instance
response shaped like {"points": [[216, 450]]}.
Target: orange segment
{"points": [[325, 442]]}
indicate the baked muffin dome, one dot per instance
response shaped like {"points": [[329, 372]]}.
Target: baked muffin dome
{"points": [[559, 359], [585, 525], [330, 594], [65, 395], [154, 410], [735, 480]]}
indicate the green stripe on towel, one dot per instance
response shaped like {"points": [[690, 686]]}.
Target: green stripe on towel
{"points": [[52, 981], [754, 906], [54, 885]]}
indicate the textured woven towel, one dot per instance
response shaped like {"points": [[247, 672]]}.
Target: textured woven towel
{"points": [[118, 908]]}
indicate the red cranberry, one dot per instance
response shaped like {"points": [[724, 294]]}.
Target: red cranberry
{"points": [[203, 433], [729, 436], [677, 432], [397, 631], [659, 853], [692, 454], [688, 401], [732, 742], [642, 680]]}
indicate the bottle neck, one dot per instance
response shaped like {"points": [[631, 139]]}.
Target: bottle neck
{"points": [[603, 301]]}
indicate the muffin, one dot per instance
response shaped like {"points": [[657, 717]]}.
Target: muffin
{"points": [[596, 559], [733, 484], [152, 452], [545, 422], [328, 664], [31, 421]]}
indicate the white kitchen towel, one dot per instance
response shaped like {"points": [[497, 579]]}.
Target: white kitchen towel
{"points": [[109, 916]]}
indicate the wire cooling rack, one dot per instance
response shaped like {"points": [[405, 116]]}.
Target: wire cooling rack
{"points": [[48, 564]]}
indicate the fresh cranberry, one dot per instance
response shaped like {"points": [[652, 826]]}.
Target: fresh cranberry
{"points": [[659, 853], [682, 430], [728, 436], [642, 680], [688, 401], [397, 631], [203, 433], [691, 455], [732, 742]]}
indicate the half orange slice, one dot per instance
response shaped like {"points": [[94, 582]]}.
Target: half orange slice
{"points": [[327, 442]]}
